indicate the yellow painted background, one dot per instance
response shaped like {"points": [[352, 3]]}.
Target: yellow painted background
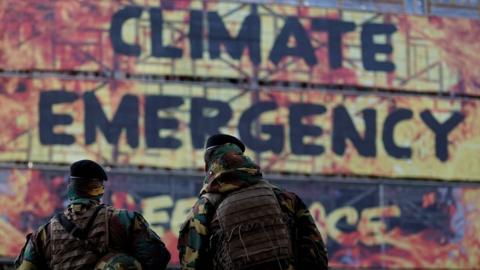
{"points": [[20, 134]]}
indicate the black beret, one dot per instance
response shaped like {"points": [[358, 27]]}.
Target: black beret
{"points": [[87, 169], [220, 139]]}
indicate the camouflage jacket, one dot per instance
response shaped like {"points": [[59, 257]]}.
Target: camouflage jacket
{"points": [[229, 170], [143, 244]]}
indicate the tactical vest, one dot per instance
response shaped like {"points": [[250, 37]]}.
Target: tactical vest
{"points": [[249, 230], [72, 253]]}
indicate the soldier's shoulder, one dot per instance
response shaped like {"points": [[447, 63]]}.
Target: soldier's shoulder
{"points": [[119, 211], [282, 193], [44, 226], [41, 232], [119, 216], [126, 216], [288, 200]]}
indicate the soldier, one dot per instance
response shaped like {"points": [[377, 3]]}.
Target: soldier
{"points": [[241, 221], [90, 235]]}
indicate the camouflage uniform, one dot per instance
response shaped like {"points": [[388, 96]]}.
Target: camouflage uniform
{"points": [[118, 261], [230, 170], [128, 232]]}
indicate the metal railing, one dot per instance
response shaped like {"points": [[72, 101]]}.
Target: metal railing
{"points": [[447, 8]]}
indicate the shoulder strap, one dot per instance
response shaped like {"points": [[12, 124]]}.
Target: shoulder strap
{"points": [[20, 256], [214, 198], [217, 198], [73, 229]]}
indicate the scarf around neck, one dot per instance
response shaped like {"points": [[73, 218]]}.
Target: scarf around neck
{"points": [[85, 191], [228, 170]]}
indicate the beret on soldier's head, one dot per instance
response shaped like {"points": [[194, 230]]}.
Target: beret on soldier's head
{"points": [[87, 169], [220, 139]]}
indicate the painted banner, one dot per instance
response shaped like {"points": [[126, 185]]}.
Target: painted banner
{"points": [[369, 225], [297, 131], [264, 42]]}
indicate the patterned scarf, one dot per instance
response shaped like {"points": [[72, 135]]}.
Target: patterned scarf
{"points": [[228, 170], [84, 191]]}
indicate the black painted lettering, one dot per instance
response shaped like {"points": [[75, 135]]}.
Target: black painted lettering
{"points": [[248, 37], [343, 129], [298, 130], [335, 30], [441, 131], [48, 120], [115, 31], [195, 34], [275, 133], [206, 118], [126, 118], [393, 119], [370, 49], [154, 123], [302, 49], [158, 49]]}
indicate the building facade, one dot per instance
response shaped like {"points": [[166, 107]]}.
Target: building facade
{"points": [[367, 109]]}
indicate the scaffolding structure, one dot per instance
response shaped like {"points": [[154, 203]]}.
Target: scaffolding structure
{"points": [[448, 8], [84, 65]]}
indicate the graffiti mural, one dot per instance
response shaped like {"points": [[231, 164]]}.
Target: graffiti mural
{"points": [[266, 42], [379, 111], [300, 131], [391, 225]]}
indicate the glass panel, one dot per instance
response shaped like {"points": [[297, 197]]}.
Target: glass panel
{"points": [[447, 8], [465, 8], [321, 3]]}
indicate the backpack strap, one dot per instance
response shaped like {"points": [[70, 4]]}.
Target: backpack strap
{"points": [[214, 198], [73, 229]]}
